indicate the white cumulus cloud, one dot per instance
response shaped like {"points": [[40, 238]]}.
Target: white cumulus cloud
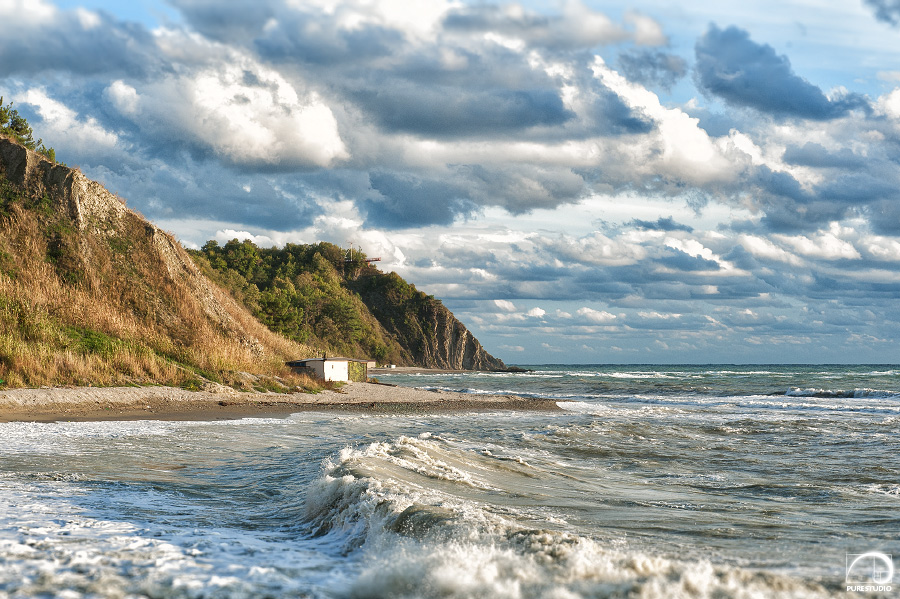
{"points": [[65, 128], [244, 112], [505, 305], [596, 316]]}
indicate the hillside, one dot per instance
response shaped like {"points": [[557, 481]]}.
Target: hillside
{"points": [[92, 293], [429, 332], [318, 294]]}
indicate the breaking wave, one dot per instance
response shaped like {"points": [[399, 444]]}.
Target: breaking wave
{"points": [[417, 513]]}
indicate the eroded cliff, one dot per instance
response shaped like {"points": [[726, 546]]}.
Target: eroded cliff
{"points": [[91, 292], [431, 334], [98, 271], [450, 345]]}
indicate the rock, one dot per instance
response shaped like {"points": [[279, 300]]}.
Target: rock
{"points": [[101, 219], [452, 347]]}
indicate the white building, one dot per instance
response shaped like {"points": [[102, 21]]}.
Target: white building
{"points": [[332, 369]]}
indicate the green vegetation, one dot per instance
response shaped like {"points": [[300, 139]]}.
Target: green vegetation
{"points": [[15, 126], [317, 294], [305, 293]]}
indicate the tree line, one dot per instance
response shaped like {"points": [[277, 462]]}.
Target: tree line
{"points": [[303, 292]]}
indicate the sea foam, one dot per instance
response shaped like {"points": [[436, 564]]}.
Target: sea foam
{"points": [[417, 540]]}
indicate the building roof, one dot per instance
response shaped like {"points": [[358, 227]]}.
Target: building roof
{"points": [[328, 359]]}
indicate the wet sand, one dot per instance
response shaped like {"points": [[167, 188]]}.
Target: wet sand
{"points": [[170, 403]]}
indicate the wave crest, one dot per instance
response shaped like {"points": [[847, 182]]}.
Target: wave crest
{"points": [[417, 513]]}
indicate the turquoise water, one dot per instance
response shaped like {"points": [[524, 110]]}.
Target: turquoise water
{"points": [[709, 481]]}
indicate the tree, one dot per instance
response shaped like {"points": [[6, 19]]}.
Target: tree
{"points": [[14, 125], [242, 256]]}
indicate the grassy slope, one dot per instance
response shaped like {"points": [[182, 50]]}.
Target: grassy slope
{"points": [[82, 308]]}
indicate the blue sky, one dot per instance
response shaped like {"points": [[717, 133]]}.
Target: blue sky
{"points": [[579, 181]]}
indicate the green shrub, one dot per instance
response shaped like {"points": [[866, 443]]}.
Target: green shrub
{"points": [[14, 125]]}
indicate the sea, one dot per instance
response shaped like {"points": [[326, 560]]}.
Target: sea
{"points": [[711, 481]]}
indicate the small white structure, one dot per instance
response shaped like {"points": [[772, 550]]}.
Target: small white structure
{"points": [[332, 369]]}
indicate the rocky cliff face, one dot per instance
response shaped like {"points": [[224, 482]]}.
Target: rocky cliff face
{"points": [[427, 330], [84, 201], [450, 345], [97, 213]]}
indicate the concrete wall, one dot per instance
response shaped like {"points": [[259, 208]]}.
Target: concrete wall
{"points": [[329, 370], [334, 370]]}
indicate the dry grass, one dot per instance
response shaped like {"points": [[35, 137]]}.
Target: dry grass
{"points": [[101, 308]]}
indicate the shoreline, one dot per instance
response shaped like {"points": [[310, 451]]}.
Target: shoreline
{"points": [[80, 404], [375, 371], [414, 370]]}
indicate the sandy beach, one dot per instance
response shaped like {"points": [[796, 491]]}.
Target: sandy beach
{"points": [[171, 403]]}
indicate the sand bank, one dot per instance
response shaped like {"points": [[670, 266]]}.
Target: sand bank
{"points": [[170, 403]]}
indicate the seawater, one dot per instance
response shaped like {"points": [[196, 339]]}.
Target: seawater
{"points": [[691, 481]]}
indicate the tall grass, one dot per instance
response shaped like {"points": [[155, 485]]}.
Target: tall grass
{"points": [[119, 303]]}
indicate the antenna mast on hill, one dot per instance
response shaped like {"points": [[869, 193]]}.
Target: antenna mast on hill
{"points": [[348, 258]]}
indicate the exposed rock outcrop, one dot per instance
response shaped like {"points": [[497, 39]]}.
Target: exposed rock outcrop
{"points": [[102, 221], [83, 200], [450, 345], [427, 330]]}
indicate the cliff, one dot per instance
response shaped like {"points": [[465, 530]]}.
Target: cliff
{"points": [[92, 293], [454, 347], [95, 212], [431, 333], [315, 293]]}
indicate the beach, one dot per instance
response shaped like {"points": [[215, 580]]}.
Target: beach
{"points": [[712, 481], [218, 402]]}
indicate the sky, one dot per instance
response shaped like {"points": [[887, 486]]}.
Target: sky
{"points": [[580, 181]]}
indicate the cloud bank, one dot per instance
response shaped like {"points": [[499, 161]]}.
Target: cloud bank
{"points": [[558, 170]]}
